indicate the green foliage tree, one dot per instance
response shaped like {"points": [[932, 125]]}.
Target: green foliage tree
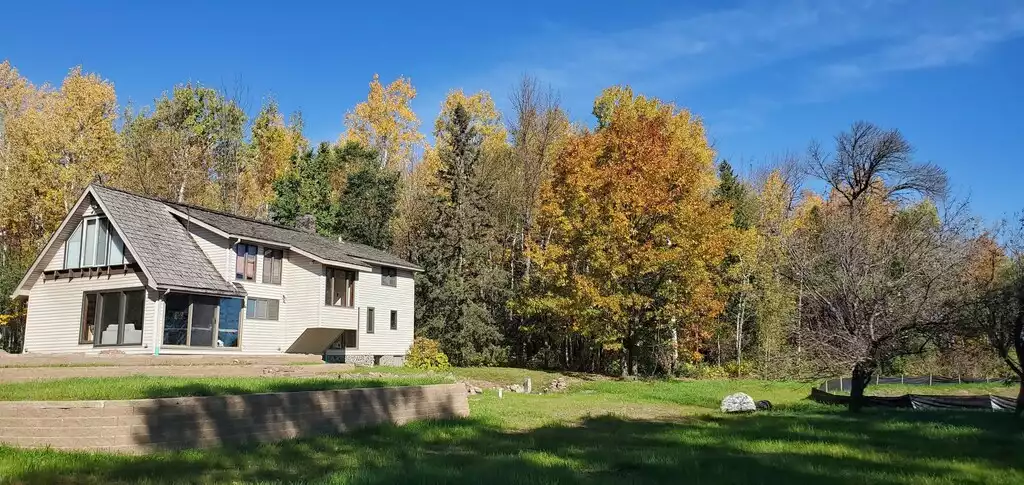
{"points": [[367, 204], [456, 293], [305, 189]]}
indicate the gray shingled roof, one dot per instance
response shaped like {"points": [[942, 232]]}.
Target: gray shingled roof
{"points": [[158, 228], [161, 243], [320, 246]]}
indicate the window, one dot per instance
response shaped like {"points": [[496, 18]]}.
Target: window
{"points": [[113, 318], [245, 262], [394, 319], [94, 243], [388, 276], [369, 320], [341, 288], [202, 321], [262, 309], [85, 336], [272, 260]]}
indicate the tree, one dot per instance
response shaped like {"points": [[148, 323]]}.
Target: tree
{"points": [[188, 148], [305, 190], [881, 271], [867, 154], [996, 312], [456, 291], [630, 239], [54, 142], [366, 206], [273, 147], [386, 123]]}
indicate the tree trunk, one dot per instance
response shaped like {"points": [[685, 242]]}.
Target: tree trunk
{"points": [[1019, 409], [862, 373]]}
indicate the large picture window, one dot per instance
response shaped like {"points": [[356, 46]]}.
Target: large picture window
{"points": [[341, 288], [113, 318], [245, 261], [94, 243], [202, 321]]}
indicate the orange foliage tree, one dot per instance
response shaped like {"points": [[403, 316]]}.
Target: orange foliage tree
{"points": [[629, 240]]}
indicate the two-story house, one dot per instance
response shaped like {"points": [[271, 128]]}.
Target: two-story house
{"points": [[146, 276]]}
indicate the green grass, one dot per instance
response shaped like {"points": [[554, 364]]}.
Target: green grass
{"points": [[493, 375], [600, 431], [140, 387]]}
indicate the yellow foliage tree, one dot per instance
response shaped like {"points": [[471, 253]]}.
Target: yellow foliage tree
{"points": [[631, 240], [54, 142], [274, 144], [386, 123]]}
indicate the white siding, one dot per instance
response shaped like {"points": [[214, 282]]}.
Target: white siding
{"points": [[56, 259], [217, 249], [55, 313], [371, 293]]}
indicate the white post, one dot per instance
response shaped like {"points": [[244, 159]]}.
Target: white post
{"points": [[528, 385], [499, 393]]}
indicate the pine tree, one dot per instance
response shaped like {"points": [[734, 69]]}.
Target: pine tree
{"points": [[306, 190], [367, 203], [455, 292]]}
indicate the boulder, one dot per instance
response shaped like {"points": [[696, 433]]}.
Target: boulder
{"points": [[738, 403], [516, 388], [557, 385], [472, 390], [763, 405]]}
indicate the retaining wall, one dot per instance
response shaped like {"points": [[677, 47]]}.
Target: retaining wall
{"points": [[142, 425]]}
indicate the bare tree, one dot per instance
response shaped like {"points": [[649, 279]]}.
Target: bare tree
{"points": [[866, 156], [997, 310], [880, 276]]}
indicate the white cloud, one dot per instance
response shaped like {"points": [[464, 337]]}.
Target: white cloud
{"points": [[827, 47]]}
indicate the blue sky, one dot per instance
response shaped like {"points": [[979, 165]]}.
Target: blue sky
{"points": [[766, 76]]}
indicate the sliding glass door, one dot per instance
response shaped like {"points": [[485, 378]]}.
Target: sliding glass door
{"points": [[202, 321]]}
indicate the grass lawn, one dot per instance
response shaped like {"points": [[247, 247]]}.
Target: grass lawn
{"points": [[599, 431], [141, 387]]}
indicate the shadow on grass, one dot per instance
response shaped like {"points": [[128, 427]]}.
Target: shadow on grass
{"points": [[817, 447]]}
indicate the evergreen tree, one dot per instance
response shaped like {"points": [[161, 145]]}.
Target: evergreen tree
{"points": [[367, 204], [455, 293], [306, 190], [734, 192]]}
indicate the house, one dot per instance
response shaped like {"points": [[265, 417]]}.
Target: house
{"points": [[146, 276]]}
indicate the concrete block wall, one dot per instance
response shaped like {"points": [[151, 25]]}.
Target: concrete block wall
{"points": [[143, 425]]}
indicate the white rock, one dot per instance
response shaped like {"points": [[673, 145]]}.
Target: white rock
{"points": [[738, 403]]}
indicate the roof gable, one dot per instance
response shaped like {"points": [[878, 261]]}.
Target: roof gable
{"points": [[160, 243]]}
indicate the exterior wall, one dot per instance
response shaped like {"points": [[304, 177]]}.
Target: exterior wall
{"points": [[217, 249], [143, 425], [384, 341], [55, 313]]}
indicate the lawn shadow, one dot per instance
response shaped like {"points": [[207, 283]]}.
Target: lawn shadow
{"points": [[823, 447]]}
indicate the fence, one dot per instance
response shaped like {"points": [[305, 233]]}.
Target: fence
{"points": [[844, 384]]}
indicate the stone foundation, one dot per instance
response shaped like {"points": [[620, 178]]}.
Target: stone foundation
{"points": [[142, 425], [392, 360]]}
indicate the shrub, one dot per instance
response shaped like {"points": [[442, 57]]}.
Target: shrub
{"points": [[426, 354]]}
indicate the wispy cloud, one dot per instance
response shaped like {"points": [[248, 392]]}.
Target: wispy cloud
{"points": [[820, 50]]}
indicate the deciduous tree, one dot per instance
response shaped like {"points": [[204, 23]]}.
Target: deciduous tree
{"points": [[630, 240]]}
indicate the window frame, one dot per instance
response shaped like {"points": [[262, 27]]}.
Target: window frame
{"points": [[270, 303], [371, 325], [273, 259], [123, 304], [389, 276], [394, 319], [215, 329], [111, 240], [348, 296], [246, 253]]}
